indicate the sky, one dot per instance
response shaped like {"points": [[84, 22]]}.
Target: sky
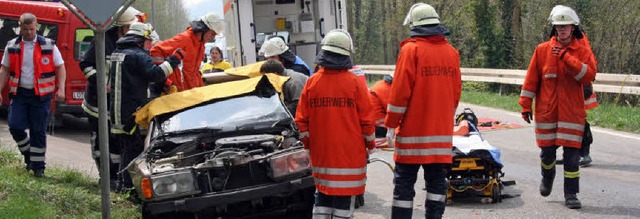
{"points": [[198, 8]]}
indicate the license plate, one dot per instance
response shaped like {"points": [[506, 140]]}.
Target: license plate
{"points": [[78, 95]]}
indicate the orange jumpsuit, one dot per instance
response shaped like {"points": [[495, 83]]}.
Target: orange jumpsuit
{"points": [[193, 50], [379, 97], [334, 117], [556, 83], [424, 96]]}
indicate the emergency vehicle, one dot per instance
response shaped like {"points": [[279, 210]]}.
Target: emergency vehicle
{"points": [[72, 38], [301, 23]]}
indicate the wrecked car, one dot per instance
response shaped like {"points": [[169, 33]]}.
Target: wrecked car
{"points": [[228, 150]]}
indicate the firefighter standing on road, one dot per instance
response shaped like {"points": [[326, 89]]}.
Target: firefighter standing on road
{"points": [[557, 73], [334, 117], [132, 69], [33, 65], [191, 42], [379, 96], [424, 97], [90, 103], [276, 48]]}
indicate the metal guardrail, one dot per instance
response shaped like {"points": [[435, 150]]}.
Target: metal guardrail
{"points": [[605, 82]]}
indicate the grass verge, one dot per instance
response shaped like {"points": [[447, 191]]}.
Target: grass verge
{"points": [[622, 118], [61, 194]]}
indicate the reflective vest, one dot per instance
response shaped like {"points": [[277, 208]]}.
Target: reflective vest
{"points": [[44, 69], [424, 95], [557, 83], [336, 100]]}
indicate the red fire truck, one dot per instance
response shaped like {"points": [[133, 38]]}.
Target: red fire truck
{"points": [[72, 38]]}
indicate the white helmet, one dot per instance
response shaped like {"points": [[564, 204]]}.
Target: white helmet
{"points": [[563, 15], [127, 17], [214, 22], [338, 41], [273, 47], [421, 14], [141, 29]]}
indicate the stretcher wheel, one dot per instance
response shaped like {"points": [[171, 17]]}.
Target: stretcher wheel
{"points": [[496, 194]]}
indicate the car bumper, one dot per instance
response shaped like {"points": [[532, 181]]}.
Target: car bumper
{"points": [[196, 204]]}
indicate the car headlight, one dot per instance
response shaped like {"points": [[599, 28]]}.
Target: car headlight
{"points": [[172, 184], [289, 163]]}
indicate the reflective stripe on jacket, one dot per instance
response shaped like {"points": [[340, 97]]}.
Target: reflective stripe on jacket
{"points": [[193, 49], [379, 97], [334, 117], [557, 85], [44, 69], [424, 95]]}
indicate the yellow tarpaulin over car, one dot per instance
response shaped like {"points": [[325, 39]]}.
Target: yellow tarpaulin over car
{"points": [[185, 99], [250, 70]]}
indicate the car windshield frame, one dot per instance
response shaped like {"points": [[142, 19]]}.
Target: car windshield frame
{"points": [[246, 112]]}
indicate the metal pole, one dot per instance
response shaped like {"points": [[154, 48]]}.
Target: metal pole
{"points": [[102, 121], [153, 13]]}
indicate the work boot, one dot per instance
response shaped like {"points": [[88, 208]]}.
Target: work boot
{"points": [[545, 186], [27, 166], [571, 201], [38, 173], [585, 161], [359, 201]]}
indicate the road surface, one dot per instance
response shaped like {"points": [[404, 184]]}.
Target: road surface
{"points": [[610, 188]]}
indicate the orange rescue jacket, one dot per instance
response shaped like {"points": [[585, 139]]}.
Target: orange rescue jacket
{"points": [[193, 50], [379, 97], [424, 96], [44, 69], [334, 117], [556, 83]]}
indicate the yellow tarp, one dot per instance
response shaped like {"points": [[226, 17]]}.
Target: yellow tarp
{"points": [[185, 99], [250, 70]]}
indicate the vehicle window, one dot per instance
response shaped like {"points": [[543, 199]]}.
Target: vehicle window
{"points": [[229, 115], [9, 29], [82, 42]]}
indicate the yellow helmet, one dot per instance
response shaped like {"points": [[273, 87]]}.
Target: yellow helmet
{"points": [[421, 14], [273, 47], [214, 22], [563, 15], [141, 29], [127, 17], [338, 41]]}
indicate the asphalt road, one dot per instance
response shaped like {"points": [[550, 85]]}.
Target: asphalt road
{"points": [[610, 188]]}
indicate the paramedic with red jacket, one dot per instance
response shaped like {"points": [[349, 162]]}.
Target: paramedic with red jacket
{"points": [[334, 117], [557, 73], [35, 69], [424, 97], [191, 42]]}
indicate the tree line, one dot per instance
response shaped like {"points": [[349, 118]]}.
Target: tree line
{"points": [[500, 33], [170, 18]]}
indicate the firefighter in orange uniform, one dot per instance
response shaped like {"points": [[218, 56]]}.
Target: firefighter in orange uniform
{"points": [[557, 73], [191, 42], [424, 96], [379, 97], [334, 117]]}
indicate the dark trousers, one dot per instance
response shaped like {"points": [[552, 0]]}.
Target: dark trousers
{"points": [[132, 146], [330, 206], [587, 139], [405, 176], [28, 111], [571, 157], [114, 148]]}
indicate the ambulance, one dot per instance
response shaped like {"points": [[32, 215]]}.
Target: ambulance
{"points": [[301, 23]]}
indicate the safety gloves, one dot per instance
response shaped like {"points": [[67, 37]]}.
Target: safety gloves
{"points": [[169, 87], [558, 51], [391, 136], [527, 116], [176, 58]]}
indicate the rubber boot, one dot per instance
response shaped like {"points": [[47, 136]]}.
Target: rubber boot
{"points": [[571, 201], [585, 160], [546, 185]]}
